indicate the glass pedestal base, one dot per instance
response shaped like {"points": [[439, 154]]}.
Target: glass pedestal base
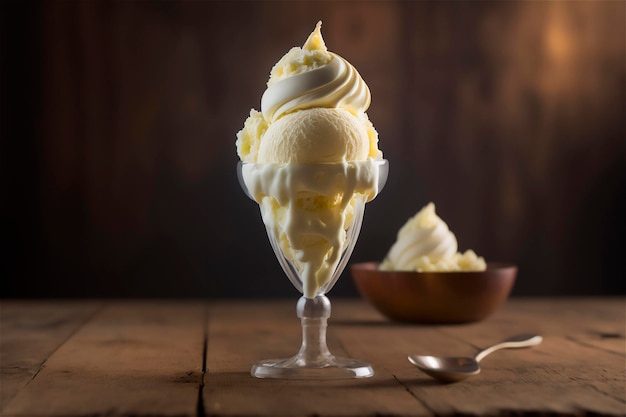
{"points": [[296, 368], [314, 360]]}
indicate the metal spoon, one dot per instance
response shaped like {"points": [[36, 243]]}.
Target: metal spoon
{"points": [[453, 369]]}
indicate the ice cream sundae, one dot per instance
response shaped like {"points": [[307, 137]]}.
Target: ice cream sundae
{"points": [[311, 154]]}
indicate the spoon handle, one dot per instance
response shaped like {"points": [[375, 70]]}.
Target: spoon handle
{"points": [[519, 341]]}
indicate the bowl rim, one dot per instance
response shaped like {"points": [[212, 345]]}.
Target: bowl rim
{"points": [[372, 266]]}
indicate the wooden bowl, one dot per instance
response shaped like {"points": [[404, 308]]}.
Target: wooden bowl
{"points": [[435, 297]]}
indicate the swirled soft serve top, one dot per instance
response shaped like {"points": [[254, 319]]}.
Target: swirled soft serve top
{"points": [[425, 243], [313, 111]]}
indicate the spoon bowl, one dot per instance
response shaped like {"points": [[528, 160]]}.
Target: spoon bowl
{"points": [[446, 369], [452, 369]]}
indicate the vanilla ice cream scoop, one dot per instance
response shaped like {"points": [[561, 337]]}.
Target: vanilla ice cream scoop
{"points": [[312, 136], [425, 243]]}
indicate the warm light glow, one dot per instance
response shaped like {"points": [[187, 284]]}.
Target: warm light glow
{"points": [[558, 42]]}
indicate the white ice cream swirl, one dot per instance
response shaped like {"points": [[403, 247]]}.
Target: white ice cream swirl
{"points": [[334, 85], [426, 244], [424, 235]]}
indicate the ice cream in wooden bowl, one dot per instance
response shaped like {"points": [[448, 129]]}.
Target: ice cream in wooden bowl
{"points": [[425, 279]]}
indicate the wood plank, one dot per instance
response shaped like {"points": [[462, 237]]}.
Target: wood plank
{"points": [[145, 358], [242, 333], [561, 376], [541, 382], [550, 378], [30, 331], [132, 358], [386, 345]]}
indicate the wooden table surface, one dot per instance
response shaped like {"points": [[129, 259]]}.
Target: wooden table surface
{"points": [[193, 358]]}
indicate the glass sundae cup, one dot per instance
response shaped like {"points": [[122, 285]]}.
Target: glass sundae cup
{"points": [[300, 204]]}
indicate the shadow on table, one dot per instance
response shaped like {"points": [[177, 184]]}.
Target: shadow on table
{"points": [[377, 323], [228, 379]]}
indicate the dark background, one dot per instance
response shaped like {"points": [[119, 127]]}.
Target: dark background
{"points": [[119, 119]]}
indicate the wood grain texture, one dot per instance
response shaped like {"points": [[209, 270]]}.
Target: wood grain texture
{"points": [[242, 333], [133, 358], [578, 369], [29, 333], [148, 359], [566, 375]]}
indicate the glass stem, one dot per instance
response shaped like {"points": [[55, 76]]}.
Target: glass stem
{"points": [[314, 313]]}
